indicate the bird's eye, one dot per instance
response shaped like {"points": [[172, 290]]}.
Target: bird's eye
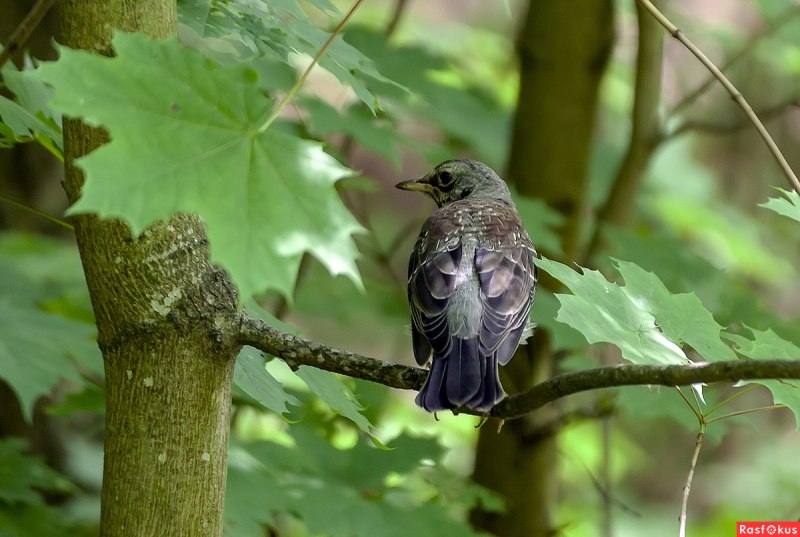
{"points": [[445, 179]]}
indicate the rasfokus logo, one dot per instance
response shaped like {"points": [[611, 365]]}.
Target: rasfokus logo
{"points": [[767, 528]]}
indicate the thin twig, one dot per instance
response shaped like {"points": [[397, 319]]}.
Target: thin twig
{"points": [[25, 28], [397, 14], [743, 412], [688, 487], [726, 128], [605, 478], [300, 81], [615, 502], [735, 94], [696, 411], [37, 212], [740, 392], [771, 28], [603, 410]]}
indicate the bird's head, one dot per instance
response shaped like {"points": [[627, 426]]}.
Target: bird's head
{"points": [[455, 180]]}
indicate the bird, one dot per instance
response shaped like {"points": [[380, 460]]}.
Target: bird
{"points": [[471, 285]]}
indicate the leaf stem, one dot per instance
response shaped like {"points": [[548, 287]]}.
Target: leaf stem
{"points": [[37, 212], [742, 412], [300, 81], [696, 411], [733, 397], [735, 94]]}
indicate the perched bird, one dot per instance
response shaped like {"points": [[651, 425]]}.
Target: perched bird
{"points": [[471, 284]]}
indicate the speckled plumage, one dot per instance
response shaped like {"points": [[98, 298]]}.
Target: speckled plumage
{"points": [[471, 285]]}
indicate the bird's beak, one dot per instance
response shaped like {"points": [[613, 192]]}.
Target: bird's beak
{"points": [[415, 185]]}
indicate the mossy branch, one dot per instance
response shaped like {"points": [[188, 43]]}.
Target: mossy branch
{"points": [[296, 351]]}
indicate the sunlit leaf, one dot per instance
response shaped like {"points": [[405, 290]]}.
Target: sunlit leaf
{"points": [[280, 30], [788, 205], [681, 317], [252, 377], [186, 137], [603, 312], [335, 394]]}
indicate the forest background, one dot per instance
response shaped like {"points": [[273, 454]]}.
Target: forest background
{"points": [[627, 159]]}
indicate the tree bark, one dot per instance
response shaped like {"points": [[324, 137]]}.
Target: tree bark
{"points": [[161, 309], [563, 50]]}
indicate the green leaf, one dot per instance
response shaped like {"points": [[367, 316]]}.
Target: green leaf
{"points": [[185, 138], [22, 476], [544, 313], [341, 492], [767, 345], [37, 520], [335, 394], [603, 312], [28, 115], [788, 206], [378, 136], [708, 225], [280, 30], [37, 350], [252, 377], [681, 317], [38, 269], [194, 14], [344, 61], [92, 400], [541, 221], [23, 124]]}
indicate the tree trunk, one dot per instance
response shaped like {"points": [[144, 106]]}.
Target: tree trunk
{"points": [[158, 302], [563, 49]]}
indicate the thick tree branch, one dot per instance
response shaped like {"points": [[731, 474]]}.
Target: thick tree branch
{"points": [[647, 375], [296, 351]]}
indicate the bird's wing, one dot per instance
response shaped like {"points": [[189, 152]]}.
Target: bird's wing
{"points": [[507, 277], [431, 279], [507, 280]]}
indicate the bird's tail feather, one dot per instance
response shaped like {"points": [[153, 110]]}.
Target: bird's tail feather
{"points": [[464, 377]]}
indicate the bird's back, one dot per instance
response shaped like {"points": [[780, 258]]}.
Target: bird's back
{"points": [[471, 285]]}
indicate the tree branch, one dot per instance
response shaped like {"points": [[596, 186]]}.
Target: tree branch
{"points": [[710, 127], [645, 132], [771, 29], [297, 351], [25, 28], [688, 487], [735, 94], [647, 375]]}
